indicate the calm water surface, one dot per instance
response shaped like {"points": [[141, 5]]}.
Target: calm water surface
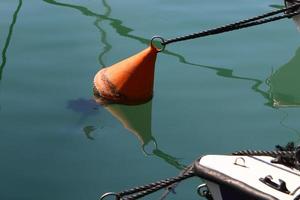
{"points": [[239, 90]]}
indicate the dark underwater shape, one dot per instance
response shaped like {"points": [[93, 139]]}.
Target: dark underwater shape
{"points": [[88, 130], [83, 106], [285, 83]]}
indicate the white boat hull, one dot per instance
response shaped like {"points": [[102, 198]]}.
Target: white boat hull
{"points": [[248, 178]]}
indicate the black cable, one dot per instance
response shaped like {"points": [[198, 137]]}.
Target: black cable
{"points": [[261, 19], [264, 153], [142, 191]]}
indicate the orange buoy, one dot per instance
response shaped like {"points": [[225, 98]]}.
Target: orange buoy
{"points": [[129, 81]]}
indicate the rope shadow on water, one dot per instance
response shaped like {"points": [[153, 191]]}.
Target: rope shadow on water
{"points": [[227, 73], [107, 45], [9, 36]]}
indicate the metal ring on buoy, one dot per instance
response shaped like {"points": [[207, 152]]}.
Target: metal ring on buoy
{"points": [[110, 194], [160, 40], [147, 153]]}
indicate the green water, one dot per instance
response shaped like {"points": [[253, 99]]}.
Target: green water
{"points": [[214, 95]]}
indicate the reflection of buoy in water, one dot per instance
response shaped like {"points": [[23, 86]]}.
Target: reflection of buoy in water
{"points": [[129, 81], [285, 83], [137, 119]]}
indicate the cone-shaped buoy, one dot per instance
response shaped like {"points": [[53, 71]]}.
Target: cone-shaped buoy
{"points": [[129, 81]]}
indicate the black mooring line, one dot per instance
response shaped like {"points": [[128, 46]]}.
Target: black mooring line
{"points": [[254, 21]]}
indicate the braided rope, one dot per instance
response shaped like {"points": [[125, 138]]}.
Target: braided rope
{"points": [[261, 19], [142, 191], [264, 153], [297, 197]]}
